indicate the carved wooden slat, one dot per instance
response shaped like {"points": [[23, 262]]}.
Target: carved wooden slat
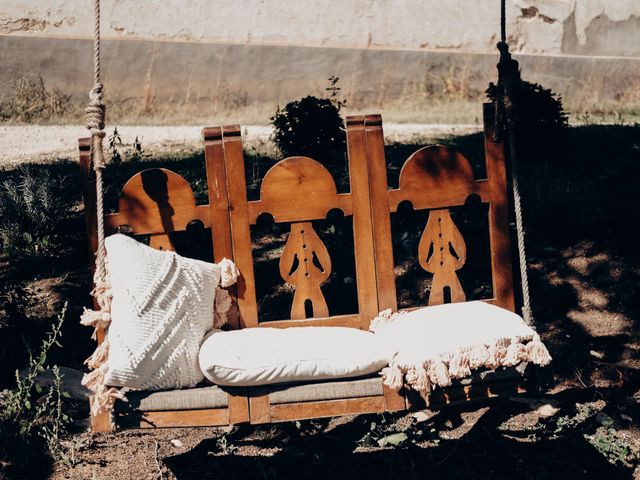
{"points": [[442, 252], [305, 264], [219, 206], [381, 220], [501, 261], [156, 201], [364, 247], [240, 227]]}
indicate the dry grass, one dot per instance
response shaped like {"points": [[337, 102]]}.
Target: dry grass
{"points": [[448, 95]]}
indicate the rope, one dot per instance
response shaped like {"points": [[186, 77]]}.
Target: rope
{"points": [[509, 82], [503, 22], [95, 124]]}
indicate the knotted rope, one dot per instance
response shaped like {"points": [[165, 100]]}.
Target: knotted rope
{"points": [[104, 397], [95, 124], [509, 83]]}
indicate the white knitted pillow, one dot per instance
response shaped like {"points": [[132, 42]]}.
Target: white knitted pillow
{"points": [[162, 307]]}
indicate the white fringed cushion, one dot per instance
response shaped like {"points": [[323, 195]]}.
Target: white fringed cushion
{"points": [[162, 307], [445, 342], [263, 356]]}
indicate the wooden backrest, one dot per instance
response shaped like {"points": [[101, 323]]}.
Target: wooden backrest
{"points": [[300, 190], [437, 178], [158, 202]]}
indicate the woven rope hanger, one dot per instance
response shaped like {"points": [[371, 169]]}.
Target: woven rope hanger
{"points": [[508, 82]]}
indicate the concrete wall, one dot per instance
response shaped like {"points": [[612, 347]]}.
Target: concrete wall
{"points": [[410, 58]]}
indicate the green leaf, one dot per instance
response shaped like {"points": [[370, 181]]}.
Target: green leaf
{"points": [[38, 388], [66, 395], [26, 236], [393, 439], [27, 404]]}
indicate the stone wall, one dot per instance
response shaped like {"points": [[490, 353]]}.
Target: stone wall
{"points": [[416, 60]]}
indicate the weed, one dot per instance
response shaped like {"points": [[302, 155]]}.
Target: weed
{"points": [[32, 419], [612, 445], [225, 446], [584, 412], [114, 147], [29, 213], [33, 101]]}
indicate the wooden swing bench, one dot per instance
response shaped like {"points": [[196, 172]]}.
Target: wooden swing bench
{"points": [[299, 190]]}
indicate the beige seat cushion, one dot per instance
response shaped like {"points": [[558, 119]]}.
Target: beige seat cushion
{"points": [[318, 391], [210, 396]]}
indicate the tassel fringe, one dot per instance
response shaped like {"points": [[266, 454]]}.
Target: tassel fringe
{"points": [[229, 273], [440, 372], [221, 307]]}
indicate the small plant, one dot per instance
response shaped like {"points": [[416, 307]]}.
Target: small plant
{"points": [[334, 92], [115, 145], [311, 126], [225, 446], [29, 213], [613, 446], [584, 412], [32, 419], [136, 155], [119, 152]]}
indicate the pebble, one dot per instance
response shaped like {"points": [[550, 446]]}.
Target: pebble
{"points": [[176, 443], [598, 355], [421, 416], [604, 419], [547, 410]]}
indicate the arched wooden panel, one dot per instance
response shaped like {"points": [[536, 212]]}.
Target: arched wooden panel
{"points": [[298, 189], [157, 201], [436, 176]]}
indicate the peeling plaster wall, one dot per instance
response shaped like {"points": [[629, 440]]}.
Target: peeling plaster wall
{"points": [[221, 55], [585, 27]]}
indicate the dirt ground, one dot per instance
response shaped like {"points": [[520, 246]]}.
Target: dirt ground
{"points": [[550, 436], [585, 279]]}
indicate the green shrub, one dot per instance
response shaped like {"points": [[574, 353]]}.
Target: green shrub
{"points": [[540, 115], [311, 126]]}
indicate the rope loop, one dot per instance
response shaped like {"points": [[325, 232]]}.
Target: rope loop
{"points": [[96, 111]]}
